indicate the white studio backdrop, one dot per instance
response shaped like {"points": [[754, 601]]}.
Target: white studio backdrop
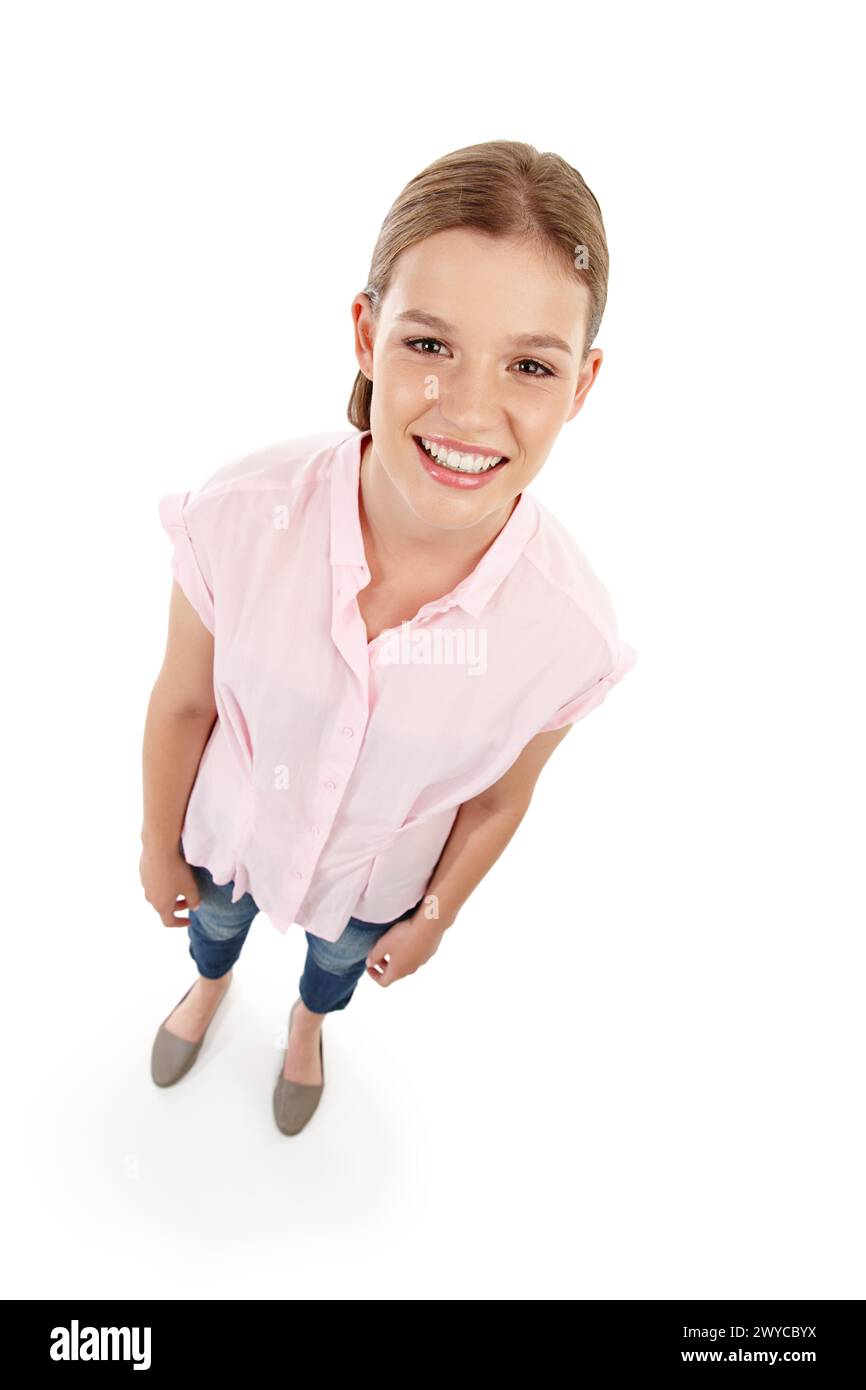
{"points": [[634, 1068]]}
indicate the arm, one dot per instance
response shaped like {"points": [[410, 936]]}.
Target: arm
{"points": [[180, 716], [481, 830]]}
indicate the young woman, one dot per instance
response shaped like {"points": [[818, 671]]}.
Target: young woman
{"points": [[378, 637]]}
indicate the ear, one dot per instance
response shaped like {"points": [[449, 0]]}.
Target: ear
{"points": [[365, 333], [586, 377]]}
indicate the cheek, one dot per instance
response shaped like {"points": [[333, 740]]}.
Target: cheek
{"points": [[407, 386], [540, 414]]}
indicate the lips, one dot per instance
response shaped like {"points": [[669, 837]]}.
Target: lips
{"points": [[459, 446], [480, 457], [454, 477]]}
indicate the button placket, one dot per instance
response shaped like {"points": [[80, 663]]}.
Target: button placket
{"points": [[316, 830], [349, 637]]}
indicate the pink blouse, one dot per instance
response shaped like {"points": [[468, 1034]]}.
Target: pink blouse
{"points": [[336, 766]]}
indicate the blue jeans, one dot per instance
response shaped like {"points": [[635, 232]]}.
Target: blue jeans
{"points": [[218, 929]]}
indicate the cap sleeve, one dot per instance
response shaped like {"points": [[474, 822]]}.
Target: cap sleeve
{"points": [[187, 560], [586, 699]]}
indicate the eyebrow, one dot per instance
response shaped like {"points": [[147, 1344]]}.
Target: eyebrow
{"points": [[523, 340]]}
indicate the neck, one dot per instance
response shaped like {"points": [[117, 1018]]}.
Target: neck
{"points": [[396, 537]]}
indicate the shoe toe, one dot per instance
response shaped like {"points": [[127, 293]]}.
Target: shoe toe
{"points": [[295, 1101], [171, 1058], [294, 1104]]}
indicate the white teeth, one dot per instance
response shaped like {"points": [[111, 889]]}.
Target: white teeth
{"points": [[461, 463]]}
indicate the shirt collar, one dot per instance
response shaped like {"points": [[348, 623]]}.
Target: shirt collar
{"points": [[347, 542]]}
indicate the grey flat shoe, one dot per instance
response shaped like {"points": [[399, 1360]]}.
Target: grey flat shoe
{"points": [[294, 1102], [172, 1057]]}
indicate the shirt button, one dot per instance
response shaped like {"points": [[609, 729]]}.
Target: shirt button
{"points": [[314, 830], [331, 786], [296, 873], [348, 731]]}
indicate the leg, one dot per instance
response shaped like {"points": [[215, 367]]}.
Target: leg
{"points": [[217, 931], [331, 972], [333, 968], [218, 927]]}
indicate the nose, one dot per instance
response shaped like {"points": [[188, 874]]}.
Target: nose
{"points": [[469, 398]]}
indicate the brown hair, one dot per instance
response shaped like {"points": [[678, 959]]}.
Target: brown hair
{"points": [[505, 188]]}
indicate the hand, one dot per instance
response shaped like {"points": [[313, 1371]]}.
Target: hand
{"points": [[165, 875], [408, 945]]}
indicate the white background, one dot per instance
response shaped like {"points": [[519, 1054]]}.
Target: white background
{"points": [[634, 1069]]}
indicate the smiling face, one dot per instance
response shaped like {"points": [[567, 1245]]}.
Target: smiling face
{"points": [[477, 351]]}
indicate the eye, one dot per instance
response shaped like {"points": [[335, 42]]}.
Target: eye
{"points": [[543, 371], [410, 342]]}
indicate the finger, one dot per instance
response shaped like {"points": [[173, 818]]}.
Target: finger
{"points": [[170, 919]]}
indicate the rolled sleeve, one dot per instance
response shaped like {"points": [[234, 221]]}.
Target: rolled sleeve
{"points": [[590, 696], [187, 560]]}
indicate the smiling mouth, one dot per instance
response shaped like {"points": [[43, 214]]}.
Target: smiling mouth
{"points": [[460, 462]]}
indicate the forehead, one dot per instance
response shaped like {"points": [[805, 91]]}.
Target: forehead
{"points": [[502, 283]]}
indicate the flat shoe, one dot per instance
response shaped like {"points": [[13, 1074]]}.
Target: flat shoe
{"points": [[295, 1101], [172, 1057]]}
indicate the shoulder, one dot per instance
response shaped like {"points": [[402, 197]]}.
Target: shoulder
{"points": [[575, 593], [279, 468]]}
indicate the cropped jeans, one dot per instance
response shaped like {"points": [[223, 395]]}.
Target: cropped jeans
{"points": [[218, 929]]}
